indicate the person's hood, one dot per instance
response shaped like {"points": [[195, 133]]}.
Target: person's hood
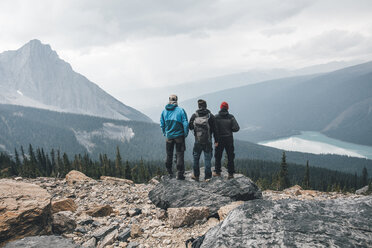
{"points": [[170, 107], [223, 112], [203, 111]]}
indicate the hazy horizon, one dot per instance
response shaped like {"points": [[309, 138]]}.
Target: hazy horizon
{"points": [[122, 45]]}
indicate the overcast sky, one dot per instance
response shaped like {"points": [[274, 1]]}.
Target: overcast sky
{"points": [[147, 43]]}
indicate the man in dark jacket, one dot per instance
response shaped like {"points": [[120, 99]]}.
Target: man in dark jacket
{"points": [[174, 125], [226, 125], [203, 124]]}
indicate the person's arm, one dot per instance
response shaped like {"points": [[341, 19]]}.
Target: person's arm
{"points": [[162, 123], [191, 122], [235, 126], [185, 123], [212, 125]]}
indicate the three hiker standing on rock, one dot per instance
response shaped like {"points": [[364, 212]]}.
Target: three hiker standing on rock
{"points": [[175, 127]]}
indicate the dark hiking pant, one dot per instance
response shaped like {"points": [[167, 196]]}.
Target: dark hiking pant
{"points": [[198, 149], [225, 143], [180, 145]]}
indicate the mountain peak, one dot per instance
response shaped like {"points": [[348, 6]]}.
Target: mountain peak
{"points": [[36, 47]]}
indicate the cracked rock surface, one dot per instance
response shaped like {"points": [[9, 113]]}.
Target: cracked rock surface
{"points": [[218, 192], [296, 223]]}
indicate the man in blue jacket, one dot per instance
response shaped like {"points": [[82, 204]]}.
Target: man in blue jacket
{"points": [[175, 127]]}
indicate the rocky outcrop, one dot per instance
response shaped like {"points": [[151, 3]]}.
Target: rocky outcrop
{"points": [[42, 242], [295, 223], [218, 192], [64, 205], [186, 216], [296, 192], [77, 177], [63, 222], [24, 210], [362, 191], [100, 211]]}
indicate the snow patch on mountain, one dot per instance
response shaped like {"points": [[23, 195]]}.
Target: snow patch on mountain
{"points": [[19, 114], [2, 147], [108, 131]]}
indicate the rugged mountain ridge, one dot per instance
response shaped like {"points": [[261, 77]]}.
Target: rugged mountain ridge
{"points": [[35, 76], [335, 103]]}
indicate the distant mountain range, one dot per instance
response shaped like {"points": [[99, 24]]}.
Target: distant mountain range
{"points": [[156, 98], [338, 104], [74, 133], [35, 76]]}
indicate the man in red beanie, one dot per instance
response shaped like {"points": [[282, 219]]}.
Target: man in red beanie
{"points": [[226, 124]]}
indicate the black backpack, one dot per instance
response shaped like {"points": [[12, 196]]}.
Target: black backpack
{"points": [[202, 129]]}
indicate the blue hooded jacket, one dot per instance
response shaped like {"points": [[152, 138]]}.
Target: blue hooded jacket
{"points": [[173, 122]]}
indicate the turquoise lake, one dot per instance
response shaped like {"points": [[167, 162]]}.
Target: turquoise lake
{"points": [[318, 143]]}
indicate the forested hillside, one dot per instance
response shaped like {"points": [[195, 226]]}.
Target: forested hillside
{"points": [[78, 134], [37, 162]]}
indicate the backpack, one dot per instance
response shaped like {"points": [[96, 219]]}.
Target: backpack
{"points": [[202, 129]]}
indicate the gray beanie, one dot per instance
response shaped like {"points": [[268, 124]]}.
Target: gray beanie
{"points": [[173, 99]]}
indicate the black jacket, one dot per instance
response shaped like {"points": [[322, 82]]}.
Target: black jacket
{"points": [[226, 124], [211, 121]]}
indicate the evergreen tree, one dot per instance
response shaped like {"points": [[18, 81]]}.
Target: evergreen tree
{"points": [[60, 167], [306, 183], [32, 168], [283, 174], [134, 172], [364, 177], [66, 164], [17, 167], [127, 171], [118, 163]]}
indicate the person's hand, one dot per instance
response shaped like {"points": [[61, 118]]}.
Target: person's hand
{"points": [[215, 144]]}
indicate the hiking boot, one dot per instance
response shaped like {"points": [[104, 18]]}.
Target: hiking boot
{"points": [[230, 176], [207, 179], [193, 177], [181, 178], [216, 174]]}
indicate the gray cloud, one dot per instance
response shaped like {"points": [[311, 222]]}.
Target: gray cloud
{"points": [[334, 43], [278, 31], [95, 22], [123, 44]]}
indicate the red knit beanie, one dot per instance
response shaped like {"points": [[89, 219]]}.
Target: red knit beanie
{"points": [[224, 105]]}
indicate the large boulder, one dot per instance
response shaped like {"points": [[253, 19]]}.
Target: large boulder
{"points": [[42, 242], [25, 210], [295, 223], [218, 192], [75, 176]]}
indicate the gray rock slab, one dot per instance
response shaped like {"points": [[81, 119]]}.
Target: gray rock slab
{"points": [[90, 243], [295, 223], [362, 191], [218, 192], [42, 242], [124, 235], [103, 231]]}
